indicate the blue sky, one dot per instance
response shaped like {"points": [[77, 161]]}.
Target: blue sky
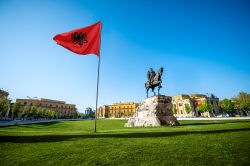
{"points": [[204, 47]]}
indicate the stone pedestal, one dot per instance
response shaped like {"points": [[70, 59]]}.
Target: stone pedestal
{"points": [[153, 111]]}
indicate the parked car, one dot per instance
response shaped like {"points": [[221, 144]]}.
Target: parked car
{"points": [[222, 115]]}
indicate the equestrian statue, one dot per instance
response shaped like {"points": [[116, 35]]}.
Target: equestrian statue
{"points": [[154, 80]]}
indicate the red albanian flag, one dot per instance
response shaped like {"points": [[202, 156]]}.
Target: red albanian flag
{"points": [[82, 41]]}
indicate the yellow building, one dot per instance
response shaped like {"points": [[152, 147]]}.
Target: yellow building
{"points": [[117, 110], [64, 110]]}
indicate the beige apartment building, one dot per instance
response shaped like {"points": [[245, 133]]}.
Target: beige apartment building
{"points": [[64, 110]]}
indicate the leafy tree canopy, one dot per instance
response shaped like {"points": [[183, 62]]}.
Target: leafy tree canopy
{"points": [[3, 105], [226, 105], [242, 101], [205, 106]]}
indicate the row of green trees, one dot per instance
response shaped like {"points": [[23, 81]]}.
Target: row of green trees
{"points": [[240, 102], [27, 111], [15, 111], [33, 112], [39, 112]]}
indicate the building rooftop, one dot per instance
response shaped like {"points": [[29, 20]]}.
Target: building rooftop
{"points": [[47, 100], [124, 103], [52, 101]]}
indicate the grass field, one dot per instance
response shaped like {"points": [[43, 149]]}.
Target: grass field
{"points": [[74, 143]]}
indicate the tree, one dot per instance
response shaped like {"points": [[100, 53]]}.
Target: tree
{"points": [[45, 113], [4, 106], [78, 115], [226, 105], [187, 108], [242, 101], [40, 112], [174, 110], [89, 113], [50, 114], [53, 114], [26, 111], [205, 106], [15, 109], [56, 114], [33, 111]]}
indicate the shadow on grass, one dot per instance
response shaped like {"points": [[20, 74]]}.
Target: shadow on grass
{"points": [[210, 122], [58, 138], [34, 125], [46, 123]]}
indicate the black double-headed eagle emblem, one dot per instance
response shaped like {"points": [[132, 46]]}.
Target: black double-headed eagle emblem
{"points": [[79, 38]]}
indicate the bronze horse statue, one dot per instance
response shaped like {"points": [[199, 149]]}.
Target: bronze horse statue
{"points": [[154, 80]]}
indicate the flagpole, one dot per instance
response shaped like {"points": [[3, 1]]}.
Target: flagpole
{"points": [[97, 86], [97, 91]]}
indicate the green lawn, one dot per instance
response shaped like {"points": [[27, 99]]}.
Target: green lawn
{"points": [[74, 143]]}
